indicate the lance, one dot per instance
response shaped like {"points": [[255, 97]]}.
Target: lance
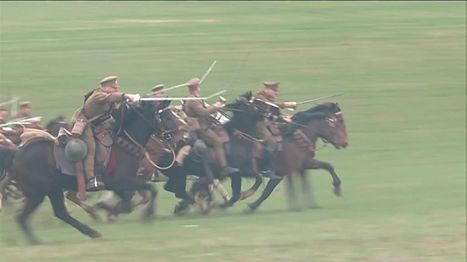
{"points": [[207, 72], [316, 99]]}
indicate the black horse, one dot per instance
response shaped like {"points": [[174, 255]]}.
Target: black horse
{"points": [[240, 152], [34, 169]]}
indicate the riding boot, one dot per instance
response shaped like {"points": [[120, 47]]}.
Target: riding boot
{"points": [[267, 169], [94, 183], [225, 169]]}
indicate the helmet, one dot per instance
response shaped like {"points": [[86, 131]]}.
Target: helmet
{"points": [[76, 150]]}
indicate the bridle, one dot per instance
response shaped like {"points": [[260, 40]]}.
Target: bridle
{"points": [[154, 130]]}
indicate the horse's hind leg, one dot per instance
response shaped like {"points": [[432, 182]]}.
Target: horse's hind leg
{"points": [[251, 191], [70, 195], [307, 190], [22, 218], [272, 183], [236, 184], [58, 204]]}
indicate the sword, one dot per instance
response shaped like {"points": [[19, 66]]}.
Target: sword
{"points": [[181, 98], [168, 88], [185, 84], [207, 72], [316, 99]]}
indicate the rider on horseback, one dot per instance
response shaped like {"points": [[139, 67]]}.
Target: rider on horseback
{"points": [[268, 128], [199, 111], [95, 118]]}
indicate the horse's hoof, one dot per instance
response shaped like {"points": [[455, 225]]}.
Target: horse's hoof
{"points": [[251, 209], [34, 242], [111, 218], [337, 191], [181, 208], [148, 216], [95, 234]]}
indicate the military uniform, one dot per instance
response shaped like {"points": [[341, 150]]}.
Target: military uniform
{"points": [[202, 113], [200, 119], [270, 131], [23, 108], [96, 113], [3, 115]]}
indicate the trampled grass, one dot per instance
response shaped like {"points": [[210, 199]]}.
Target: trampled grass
{"points": [[401, 66]]}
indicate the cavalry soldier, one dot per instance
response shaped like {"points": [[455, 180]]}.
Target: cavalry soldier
{"points": [[95, 117], [24, 110], [25, 113], [3, 115], [200, 113], [270, 131]]}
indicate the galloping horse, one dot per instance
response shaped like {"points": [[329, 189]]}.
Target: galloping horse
{"points": [[323, 121], [240, 153], [34, 169]]}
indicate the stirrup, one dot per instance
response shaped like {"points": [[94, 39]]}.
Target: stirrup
{"points": [[271, 174], [94, 185]]}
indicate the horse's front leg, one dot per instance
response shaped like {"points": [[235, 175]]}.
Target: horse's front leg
{"points": [[317, 164], [307, 189]]}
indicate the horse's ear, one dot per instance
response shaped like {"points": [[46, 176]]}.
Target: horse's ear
{"points": [[336, 107], [247, 95]]}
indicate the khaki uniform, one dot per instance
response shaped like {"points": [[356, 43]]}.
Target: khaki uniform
{"points": [[21, 115], [96, 111], [269, 139], [197, 109]]}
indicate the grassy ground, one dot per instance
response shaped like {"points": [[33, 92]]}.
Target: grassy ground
{"points": [[401, 66]]}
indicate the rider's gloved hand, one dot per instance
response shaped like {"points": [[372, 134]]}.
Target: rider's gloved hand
{"points": [[292, 105], [218, 105], [132, 97]]}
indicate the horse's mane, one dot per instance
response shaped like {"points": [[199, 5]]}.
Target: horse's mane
{"points": [[320, 111]]}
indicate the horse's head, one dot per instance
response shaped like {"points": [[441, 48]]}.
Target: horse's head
{"points": [[327, 121], [54, 125], [147, 118], [246, 109]]}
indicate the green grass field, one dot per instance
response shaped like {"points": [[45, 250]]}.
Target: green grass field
{"points": [[402, 67]]}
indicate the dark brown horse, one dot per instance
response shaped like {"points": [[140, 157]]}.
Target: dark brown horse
{"points": [[323, 121], [34, 169]]}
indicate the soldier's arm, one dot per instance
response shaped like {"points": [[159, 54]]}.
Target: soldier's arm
{"points": [[112, 97], [201, 111]]}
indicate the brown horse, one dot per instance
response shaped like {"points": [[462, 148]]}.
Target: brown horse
{"points": [[323, 121], [34, 169]]}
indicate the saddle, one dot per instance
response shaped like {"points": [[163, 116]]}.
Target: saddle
{"points": [[105, 157]]}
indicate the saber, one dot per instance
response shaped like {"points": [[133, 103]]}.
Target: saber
{"points": [[216, 94], [207, 72], [316, 99], [169, 88], [23, 121], [181, 98], [185, 84], [170, 98]]}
